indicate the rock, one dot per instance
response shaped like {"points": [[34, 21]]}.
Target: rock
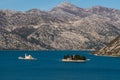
{"points": [[10, 41], [65, 27], [111, 49]]}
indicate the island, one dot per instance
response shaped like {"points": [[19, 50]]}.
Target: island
{"points": [[74, 58]]}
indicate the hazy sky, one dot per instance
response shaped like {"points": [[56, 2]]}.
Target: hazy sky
{"points": [[23, 5]]}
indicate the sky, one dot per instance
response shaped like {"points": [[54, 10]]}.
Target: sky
{"points": [[46, 5]]}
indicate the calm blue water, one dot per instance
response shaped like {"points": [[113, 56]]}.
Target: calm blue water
{"points": [[49, 66]]}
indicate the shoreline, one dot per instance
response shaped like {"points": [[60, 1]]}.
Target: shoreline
{"points": [[107, 55], [68, 60], [51, 50]]}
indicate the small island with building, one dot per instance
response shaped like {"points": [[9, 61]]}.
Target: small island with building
{"points": [[27, 57], [74, 58]]}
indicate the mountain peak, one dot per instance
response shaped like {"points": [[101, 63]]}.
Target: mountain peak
{"points": [[101, 7], [66, 4], [34, 11], [98, 7]]}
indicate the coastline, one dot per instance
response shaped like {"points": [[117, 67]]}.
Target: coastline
{"points": [[107, 55], [68, 60], [51, 50]]}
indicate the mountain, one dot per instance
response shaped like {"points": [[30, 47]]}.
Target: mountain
{"points": [[10, 41], [68, 11], [65, 27], [111, 49]]}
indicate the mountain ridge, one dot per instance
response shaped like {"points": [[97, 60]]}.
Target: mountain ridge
{"points": [[65, 27]]}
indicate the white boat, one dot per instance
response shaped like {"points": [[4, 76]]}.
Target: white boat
{"points": [[27, 57]]}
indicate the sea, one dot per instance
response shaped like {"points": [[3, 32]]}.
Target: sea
{"points": [[49, 66]]}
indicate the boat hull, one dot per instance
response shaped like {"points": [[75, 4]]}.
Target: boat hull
{"points": [[22, 58]]}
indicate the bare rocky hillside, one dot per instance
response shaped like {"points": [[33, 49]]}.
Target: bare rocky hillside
{"points": [[111, 49], [66, 26]]}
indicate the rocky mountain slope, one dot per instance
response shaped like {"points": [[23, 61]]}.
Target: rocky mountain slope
{"points": [[64, 27], [111, 49], [10, 41]]}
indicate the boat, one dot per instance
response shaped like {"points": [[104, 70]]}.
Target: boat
{"points": [[74, 58], [27, 57]]}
